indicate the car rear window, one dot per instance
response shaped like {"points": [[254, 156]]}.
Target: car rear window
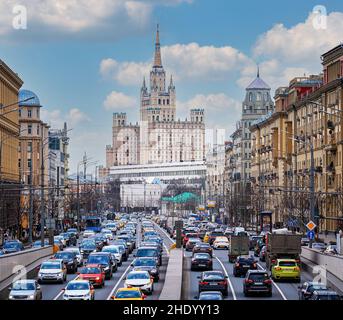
{"points": [[213, 276], [258, 276], [287, 263]]}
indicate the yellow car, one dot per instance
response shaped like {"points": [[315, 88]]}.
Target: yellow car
{"points": [[129, 294], [286, 269], [206, 237]]}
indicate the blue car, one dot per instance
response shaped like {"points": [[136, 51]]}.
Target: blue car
{"points": [[12, 246]]}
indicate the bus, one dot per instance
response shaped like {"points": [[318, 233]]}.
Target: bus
{"points": [[93, 223]]}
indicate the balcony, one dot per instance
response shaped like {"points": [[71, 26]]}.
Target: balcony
{"points": [[332, 145]]}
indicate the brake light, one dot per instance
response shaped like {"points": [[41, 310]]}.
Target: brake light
{"points": [[204, 283], [222, 283], [254, 265], [268, 281], [248, 281], [237, 264], [273, 261]]}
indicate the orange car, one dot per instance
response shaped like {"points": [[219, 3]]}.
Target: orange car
{"points": [[129, 294], [94, 273]]}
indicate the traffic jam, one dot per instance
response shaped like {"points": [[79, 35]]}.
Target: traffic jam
{"points": [[230, 263], [123, 259]]}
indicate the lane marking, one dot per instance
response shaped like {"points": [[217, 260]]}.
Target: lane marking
{"points": [[276, 286], [120, 280], [228, 278], [59, 295], [166, 234]]}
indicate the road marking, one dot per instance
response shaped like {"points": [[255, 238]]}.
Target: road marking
{"points": [[167, 235], [228, 278], [165, 247], [117, 284], [276, 286], [59, 295]]}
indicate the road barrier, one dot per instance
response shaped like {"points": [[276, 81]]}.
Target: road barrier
{"points": [[173, 282], [15, 265]]}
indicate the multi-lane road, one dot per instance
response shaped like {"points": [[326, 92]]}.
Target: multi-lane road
{"points": [[52, 291]]}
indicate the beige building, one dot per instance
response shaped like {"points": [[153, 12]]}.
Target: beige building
{"points": [[308, 113], [158, 137], [10, 84]]}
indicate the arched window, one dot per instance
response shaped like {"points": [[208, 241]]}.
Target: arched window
{"points": [[250, 96], [159, 101], [258, 96]]}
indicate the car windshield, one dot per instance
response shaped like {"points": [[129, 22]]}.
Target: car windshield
{"points": [[144, 262], [11, 245], [213, 276], [146, 253], [128, 294], [287, 263], [96, 259], [258, 276], [78, 286], [64, 255], [210, 296], [88, 246], [136, 276], [317, 287], [50, 265], [110, 249], [19, 285], [90, 270], [202, 256]]}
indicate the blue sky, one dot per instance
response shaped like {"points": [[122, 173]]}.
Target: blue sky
{"points": [[83, 53]]}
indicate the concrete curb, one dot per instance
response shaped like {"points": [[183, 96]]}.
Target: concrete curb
{"points": [[172, 288]]}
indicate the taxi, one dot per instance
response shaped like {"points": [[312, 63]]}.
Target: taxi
{"points": [[221, 243], [286, 269], [207, 237], [129, 294]]}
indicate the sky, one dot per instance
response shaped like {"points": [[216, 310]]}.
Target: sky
{"points": [[86, 59]]}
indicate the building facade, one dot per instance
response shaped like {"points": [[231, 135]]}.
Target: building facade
{"points": [[10, 185], [158, 137]]}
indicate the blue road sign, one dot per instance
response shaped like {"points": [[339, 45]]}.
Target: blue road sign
{"points": [[310, 235]]}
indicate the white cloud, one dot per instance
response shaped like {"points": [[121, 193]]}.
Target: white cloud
{"points": [[184, 61], [301, 43], [56, 118], [119, 101], [84, 18]]}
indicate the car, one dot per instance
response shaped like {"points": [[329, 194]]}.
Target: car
{"points": [[12, 246], [69, 259], [78, 255], [305, 241], [107, 233], [305, 291], [116, 253], [262, 254], [259, 244], [62, 239], [213, 281], [74, 232], [129, 241], [88, 234], [243, 264], [72, 238], [191, 243], [112, 226], [101, 238], [188, 236], [87, 247], [253, 241], [210, 295], [257, 281], [221, 243], [214, 234], [104, 259], [78, 290], [129, 294], [203, 247], [58, 242], [318, 246], [286, 269], [331, 249], [325, 295], [25, 290], [149, 252], [38, 243], [201, 261], [140, 279], [123, 243], [52, 271], [147, 264], [94, 273], [122, 250]]}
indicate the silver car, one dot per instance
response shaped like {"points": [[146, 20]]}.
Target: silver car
{"points": [[78, 255], [25, 290]]}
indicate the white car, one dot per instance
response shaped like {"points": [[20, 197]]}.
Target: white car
{"points": [[115, 251], [78, 290], [107, 233], [221, 243], [140, 279], [62, 240], [111, 226], [78, 255], [88, 234], [52, 271]]}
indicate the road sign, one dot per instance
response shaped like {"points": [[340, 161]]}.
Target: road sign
{"points": [[311, 225], [310, 235]]}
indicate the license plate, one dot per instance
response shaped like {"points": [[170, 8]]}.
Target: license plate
{"points": [[258, 283], [213, 284], [202, 265]]}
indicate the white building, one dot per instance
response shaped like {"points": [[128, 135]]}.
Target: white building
{"points": [[158, 137]]}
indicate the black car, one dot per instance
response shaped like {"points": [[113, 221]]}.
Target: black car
{"points": [[69, 259], [253, 241], [72, 238], [243, 264], [147, 264], [325, 295], [151, 252], [105, 260], [66, 237], [201, 261], [260, 243], [98, 242], [203, 248], [257, 281], [74, 232], [263, 254], [305, 291], [87, 247], [213, 281]]}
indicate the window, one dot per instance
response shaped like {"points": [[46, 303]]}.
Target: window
{"points": [[29, 146], [29, 162], [29, 129], [29, 113], [37, 111], [250, 96], [37, 129], [258, 96]]}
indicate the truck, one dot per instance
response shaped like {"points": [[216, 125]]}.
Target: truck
{"points": [[282, 246], [239, 246]]}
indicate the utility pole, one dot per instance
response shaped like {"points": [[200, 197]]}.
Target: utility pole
{"points": [[42, 212], [312, 191], [31, 207]]}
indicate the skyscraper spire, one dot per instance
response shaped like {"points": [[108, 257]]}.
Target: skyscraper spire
{"points": [[258, 71], [158, 59]]}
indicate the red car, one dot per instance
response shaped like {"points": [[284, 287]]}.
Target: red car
{"points": [[187, 237], [94, 273]]}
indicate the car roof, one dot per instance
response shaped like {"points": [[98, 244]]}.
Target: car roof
{"points": [[138, 271], [25, 281], [257, 271], [129, 289]]}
